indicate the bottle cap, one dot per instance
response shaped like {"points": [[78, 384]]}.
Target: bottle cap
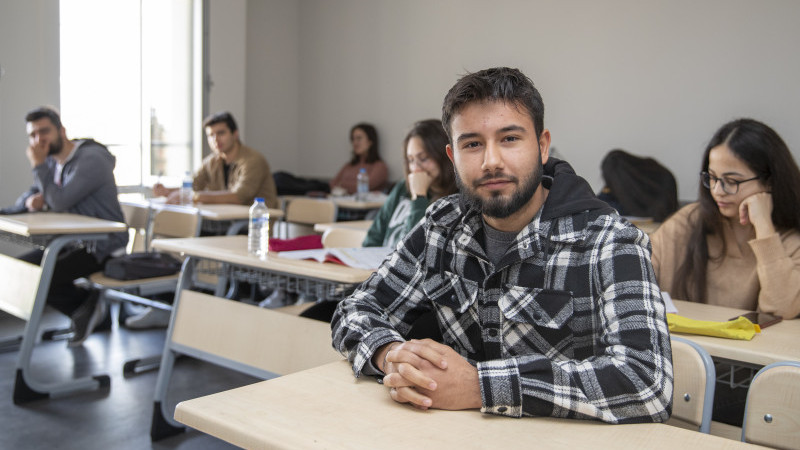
{"points": [[363, 170], [260, 199]]}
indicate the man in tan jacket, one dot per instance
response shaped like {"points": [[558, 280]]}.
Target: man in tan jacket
{"points": [[233, 173]]}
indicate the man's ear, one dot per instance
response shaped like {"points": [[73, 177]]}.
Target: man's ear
{"points": [[449, 150], [544, 145]]}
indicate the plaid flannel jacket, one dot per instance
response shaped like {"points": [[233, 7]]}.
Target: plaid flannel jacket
{"points": [[570, 323]]}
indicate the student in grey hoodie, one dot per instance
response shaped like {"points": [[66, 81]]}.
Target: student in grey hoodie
{"points": [[72, 176]]}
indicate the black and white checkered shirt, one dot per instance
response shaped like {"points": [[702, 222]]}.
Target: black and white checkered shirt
{"points": [[570, 323]]}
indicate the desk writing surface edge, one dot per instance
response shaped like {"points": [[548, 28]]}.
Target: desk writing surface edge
{"points": [[773, 344], [233, 250], [28, 224], [210, 211], [326, 406]]}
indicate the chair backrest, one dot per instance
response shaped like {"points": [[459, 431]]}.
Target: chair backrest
{"points": [[137, 217], [303, 213], [693, 394], [772, 411], [343, 237], [175, 223], [310, 211]]}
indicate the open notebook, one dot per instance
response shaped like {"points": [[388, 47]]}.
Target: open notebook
{"points": [[369, 258]]}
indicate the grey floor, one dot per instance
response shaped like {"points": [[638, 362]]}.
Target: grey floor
{"points": [[118, 418]]}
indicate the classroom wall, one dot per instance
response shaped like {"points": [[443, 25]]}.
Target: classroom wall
{"points": [[227, 53], [272, 84], [29, 59], [655, 77]]}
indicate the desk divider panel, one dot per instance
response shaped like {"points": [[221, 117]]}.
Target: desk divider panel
{"points": [[17, 298], [258, 337]]}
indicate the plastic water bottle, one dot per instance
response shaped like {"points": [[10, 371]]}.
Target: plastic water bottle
{"points": [[258, 231], [362, 185], [186, 189]]}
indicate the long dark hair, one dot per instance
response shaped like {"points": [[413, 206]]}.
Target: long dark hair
{"points": [[372, 153], [765, 153], [434, 139]]}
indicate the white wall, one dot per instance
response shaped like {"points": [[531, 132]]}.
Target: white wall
{"points": [[29, 58], [227, 58], [655, 77], [272, 88]]}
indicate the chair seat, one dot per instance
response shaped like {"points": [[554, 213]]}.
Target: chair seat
{"points": [[103, 281]]}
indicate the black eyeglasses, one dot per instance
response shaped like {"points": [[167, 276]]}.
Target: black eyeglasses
{"points": [[729, 186]]}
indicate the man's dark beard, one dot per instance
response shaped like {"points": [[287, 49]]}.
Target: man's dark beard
{"points": [[495, 206], [55, 147]]}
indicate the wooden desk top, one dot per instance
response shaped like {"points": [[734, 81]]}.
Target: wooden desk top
{"points": [[374, 201], [350, 202], [233, 249], [351, 224], [326, 407], [38, 223], [208, 211], [231, 212], [775, 343]]}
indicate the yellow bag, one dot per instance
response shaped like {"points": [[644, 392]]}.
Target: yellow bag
{"points": [[740, 328]]}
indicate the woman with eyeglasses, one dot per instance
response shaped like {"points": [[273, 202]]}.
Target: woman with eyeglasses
{"points": [[739, 245]]}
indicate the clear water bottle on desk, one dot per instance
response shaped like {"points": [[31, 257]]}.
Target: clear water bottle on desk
{"points": [[362, 185], [258, 231], [186, 189]]}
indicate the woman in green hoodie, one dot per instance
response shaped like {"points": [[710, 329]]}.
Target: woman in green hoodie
{"points": [[429, 176]]}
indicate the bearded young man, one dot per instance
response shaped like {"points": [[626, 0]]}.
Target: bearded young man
{"points": [[74, 176], [545, 299]]}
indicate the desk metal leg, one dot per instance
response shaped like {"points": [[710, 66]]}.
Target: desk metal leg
{"points": [[27, 389], [236, 227], [163, 425], [233, 290], [11, 344]]}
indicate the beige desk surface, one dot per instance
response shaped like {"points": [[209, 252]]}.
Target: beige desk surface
{"points": [[345, 202], [349, 203], [57, 223], [208, 211], [233, 249], [326, 407], [351, 224], [778, 342]]}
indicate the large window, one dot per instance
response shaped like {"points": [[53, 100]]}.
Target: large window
{"points": [[128, 70]]}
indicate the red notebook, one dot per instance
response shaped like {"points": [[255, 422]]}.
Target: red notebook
{"points": [[312, 241]]}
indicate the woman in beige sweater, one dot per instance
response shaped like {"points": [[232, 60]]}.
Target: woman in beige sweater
{"points": [[739, 245]]}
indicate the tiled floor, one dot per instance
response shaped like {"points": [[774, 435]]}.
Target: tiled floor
{"points": [[118, 418]]}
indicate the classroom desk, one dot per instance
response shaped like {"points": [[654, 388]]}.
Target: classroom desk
{"points": [[227, 257], [350, 224], [25, 287], [326, 407], [216, 218], [775, 343]]}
